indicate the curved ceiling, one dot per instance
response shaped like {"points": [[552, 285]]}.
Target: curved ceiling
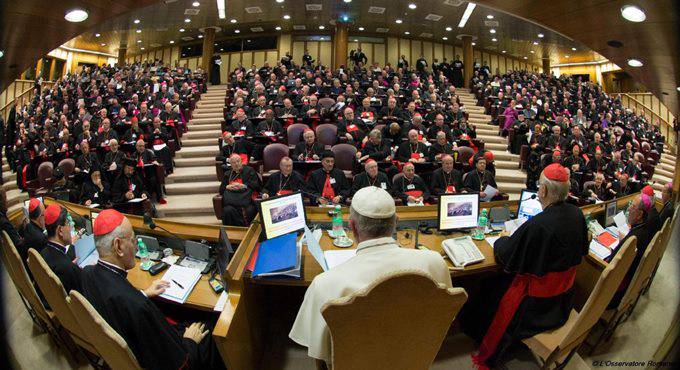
{"points": [[562, 22]]}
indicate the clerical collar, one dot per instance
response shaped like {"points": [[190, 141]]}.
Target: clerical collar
{"points": [[384, 242], [113, 268], [57, 246]]}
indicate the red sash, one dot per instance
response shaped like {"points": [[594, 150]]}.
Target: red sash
{"points": [[352, 127], [450, 189], [140, 163], [550, 285], [328, 191], [237, 181], [284, 192], [244, 158], [415, 193], [416, 156], [171, 122], [23, 176], [158, 141]]}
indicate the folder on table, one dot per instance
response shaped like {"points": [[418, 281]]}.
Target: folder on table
{"points": [[280, 256]]}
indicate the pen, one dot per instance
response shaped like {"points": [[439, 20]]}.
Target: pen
{"points": [[178, 284]]}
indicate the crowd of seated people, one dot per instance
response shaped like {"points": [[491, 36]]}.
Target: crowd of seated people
{"points": [[120, 127], [610, 150], [400, 124]]}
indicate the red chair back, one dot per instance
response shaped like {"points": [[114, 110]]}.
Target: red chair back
{"points": [[272, 156], [327, 134], [345, 155], [294, 133], [45, 178], [68, 165]]}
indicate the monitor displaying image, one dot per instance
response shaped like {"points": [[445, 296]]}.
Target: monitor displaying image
{"points": [[529, 205], [282, 215], [458, 211], [610, 212]]}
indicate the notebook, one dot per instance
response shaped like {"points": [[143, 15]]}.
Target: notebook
{"points": [[182, 281]]}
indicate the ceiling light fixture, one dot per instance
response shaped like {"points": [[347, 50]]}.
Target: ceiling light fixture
{"points": [[182, 30], [321, 38], [535, 42], [279, 1], [573, 49], [489, 16], [237, 31], [361, 28], [412, 6], [221, 9], [526, 58], [566, 56], [399, 21], [188, 20], [322, 27], [278, 28], [347, 1], [492, 31], [494, 39], [103, 44], [635, 63], [540, 35], [449, 29], [196, 4], [633, 13], [531, 51], [200, 36], [445, 38], [142, 48], [286, 16], [139, 41], [233, 20], [407, 33], [136, 21], [76, 15], [138, 31], [503, 51], [466, 14], [474, 44], [172, 41], [97, 34], [2, 53], [678, 88]]}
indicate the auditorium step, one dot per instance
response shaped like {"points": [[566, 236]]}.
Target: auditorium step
{"points": [[194, 187], [15, 196], [193, 162], [198, 151], [187, 205], [199, 142], [510, 176], [204, 127], [199, 121], [204, 115], [192, 174], [203, 134], [210, 109], [200, 219]]}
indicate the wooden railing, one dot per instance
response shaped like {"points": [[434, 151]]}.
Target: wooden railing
{"points": [[18, 90], [629, 100]]}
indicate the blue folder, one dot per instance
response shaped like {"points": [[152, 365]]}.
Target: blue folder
{"points": [[277, 255]]}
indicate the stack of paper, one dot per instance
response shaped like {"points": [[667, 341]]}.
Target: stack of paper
{"points": [[338, 257], [182, 281], [622, 223]]}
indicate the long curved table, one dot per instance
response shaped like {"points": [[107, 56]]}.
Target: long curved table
{"points": [[239, 332]]}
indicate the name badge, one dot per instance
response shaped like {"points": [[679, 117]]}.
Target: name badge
{"points": [[410, 186], [383, 186], [332, 181], [134, 187], [243, 128]]}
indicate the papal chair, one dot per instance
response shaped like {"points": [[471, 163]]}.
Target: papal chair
{"points": [[556, 347], [398, 322]]}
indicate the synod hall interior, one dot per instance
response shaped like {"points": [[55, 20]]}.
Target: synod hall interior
{"points": [[339, 184]]}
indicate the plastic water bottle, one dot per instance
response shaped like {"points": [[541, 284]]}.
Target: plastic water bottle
{"points": [[481, 226], [143, 255], [337, 221]]}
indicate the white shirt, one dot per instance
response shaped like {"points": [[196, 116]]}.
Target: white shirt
{"points": [[374, 259]]}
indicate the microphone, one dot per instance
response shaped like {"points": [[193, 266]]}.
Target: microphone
{"points": [[148, 221], [82, 218]]}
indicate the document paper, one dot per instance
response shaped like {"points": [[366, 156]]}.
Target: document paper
{"points": [[182, 281], [338, 257]]}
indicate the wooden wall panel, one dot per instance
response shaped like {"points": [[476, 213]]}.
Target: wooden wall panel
{"points": [[417, 51], [326, 53], [448, 52], [247, 59], [428, 51], [234, 60], [313, 48], [439, 51], [272, 57], [258, 58], [368, 50], [392, 50], [284, 45], [405, 49], [379, 54], [298, 51]]}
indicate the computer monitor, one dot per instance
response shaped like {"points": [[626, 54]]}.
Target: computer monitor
{"points": [[223, 254], [610, 210], [282, 215], [457, 211], [529, 205]]}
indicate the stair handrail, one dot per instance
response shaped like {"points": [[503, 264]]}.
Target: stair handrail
{"points": [[629, 101]]}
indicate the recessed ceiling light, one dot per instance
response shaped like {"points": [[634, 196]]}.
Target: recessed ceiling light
{"points": [[2, 53], [474, 44], [361, 28], [445, 38], [633, 13], [503, 51], [200, 36], [531, 51], [412, 6], [321, 38], [489, 16], [97, 34], [142, 48], [540, 35], [139, 41], [136, 21], [535, 42], [286, 16], [573, 49], [172, 41], [492, 31], [566, 56], [237, 31], [449, 29], [233, 20], [398, 21], [76, 15], [678, 88], [322, 27], [635, 63], [138, 31], [526, 58], [188, 20], [279, 1], [182, 30], [494, 39], [103, 44], [215, 44], [347, 1], [196, 4], [278, 28], [407, 33]]}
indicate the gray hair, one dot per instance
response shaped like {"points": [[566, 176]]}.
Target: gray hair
{"points": [[104, 242], [371, 228], [555, 191], [375, 133]]}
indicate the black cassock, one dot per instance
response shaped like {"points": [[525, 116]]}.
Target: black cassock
{"points": [[337, 180], [238, 207], [443, 182], [123, 184], [155, 343], [215, 69], [547, 248], [476, 182], [159, 143], [147, 171], [362, 180], [307, 151], [278, 184], [404, 187], [62, 264], [34, 237]]}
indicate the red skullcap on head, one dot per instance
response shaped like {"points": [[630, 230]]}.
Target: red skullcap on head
{"points": [[33, 204], [308, 130], [556, 172], [140, 141], [488, 156], [598, 149], [282, 88], [107, 221], [557, 153], [648, 191], [52, 213], [575, 146], [134, 119], [417, 115], [370, 161]]}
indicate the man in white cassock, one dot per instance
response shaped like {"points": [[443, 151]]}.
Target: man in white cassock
{"points": [[372, 221]]}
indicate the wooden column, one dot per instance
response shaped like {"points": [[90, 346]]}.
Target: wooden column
{"points": [[340, 45], [467, 60], [546, 65], [122, 55], [38, 67], [676, 178], [208, 50]]}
